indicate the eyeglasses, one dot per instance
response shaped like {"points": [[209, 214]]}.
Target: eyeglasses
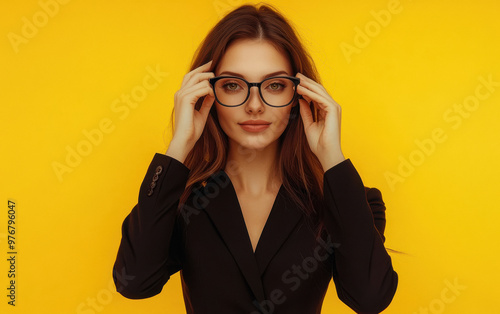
{"points": [[233, 91]]}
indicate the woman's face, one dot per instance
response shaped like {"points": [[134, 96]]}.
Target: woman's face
{"points": [[253, 60]]}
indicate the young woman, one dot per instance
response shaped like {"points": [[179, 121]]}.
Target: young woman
{"points": [[254, 202]]}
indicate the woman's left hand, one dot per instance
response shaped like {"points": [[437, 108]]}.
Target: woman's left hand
{"points": [[323, 134]]}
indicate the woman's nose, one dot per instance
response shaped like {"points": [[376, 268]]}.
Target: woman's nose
{"points": [[254, 102]]}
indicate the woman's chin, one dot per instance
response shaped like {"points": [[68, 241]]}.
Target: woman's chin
{"points": [[256, 143]]}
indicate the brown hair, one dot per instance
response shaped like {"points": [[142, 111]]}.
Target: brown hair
{"points": [[299, 168]]}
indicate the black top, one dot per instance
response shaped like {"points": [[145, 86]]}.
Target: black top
{"points": [[291, 268]]}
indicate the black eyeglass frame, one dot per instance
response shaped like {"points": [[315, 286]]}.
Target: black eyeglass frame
{"points": [[295, 80]]}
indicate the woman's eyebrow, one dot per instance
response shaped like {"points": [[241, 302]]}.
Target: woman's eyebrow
{"points": [[266, 76]]}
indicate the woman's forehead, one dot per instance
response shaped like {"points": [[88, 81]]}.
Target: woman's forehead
{"points": [[253, 58]]}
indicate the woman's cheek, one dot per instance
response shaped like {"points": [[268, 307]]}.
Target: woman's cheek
{"points": [[282, 121], [223, 117]]}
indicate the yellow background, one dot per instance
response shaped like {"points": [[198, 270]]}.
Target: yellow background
{"points": [[399, 86]]}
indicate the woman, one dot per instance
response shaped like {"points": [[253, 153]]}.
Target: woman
{"points": [[254, 201]]}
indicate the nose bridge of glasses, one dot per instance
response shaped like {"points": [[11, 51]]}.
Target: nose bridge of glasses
{"points": [[250, 85], [258, 91]]}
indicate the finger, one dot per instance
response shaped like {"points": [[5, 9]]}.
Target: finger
{"points": [[206, 106], [195, 78], [318, 88], [311, 84], [320, 100], [202, 91], [198, 77], [194, 94], [190, 89], [306, 98], [305, 113], [202, 68]]}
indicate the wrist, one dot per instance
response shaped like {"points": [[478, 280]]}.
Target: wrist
{"points": [[178, 150], [331, 160]]}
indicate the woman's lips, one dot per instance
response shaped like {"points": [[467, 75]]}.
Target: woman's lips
{"points": [[254, 127]]}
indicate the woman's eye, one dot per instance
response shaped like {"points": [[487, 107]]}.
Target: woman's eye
{"points": [[231, 86], [276, 86]]}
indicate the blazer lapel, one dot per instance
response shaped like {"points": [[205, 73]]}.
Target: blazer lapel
{"points": [[225, 212], [282, 219]]}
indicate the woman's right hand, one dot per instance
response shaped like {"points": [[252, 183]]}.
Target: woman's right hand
{"points": [[189, 123]]}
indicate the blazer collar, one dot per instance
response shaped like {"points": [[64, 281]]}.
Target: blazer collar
{"points": [[225, 212]]}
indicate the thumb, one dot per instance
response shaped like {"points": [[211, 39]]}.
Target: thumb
{"points": [[206, 105], [305, 113]]}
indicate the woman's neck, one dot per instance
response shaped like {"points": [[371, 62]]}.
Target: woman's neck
{"points": [[253, 171]]}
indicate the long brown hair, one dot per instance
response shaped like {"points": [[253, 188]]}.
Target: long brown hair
{"points": [[300, 170]]}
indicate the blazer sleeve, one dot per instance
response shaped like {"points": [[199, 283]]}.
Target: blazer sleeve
{"points": [[146, 256], [355, 220]]}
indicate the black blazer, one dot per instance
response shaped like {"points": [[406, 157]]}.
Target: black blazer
{"points": [[291, 268]]}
